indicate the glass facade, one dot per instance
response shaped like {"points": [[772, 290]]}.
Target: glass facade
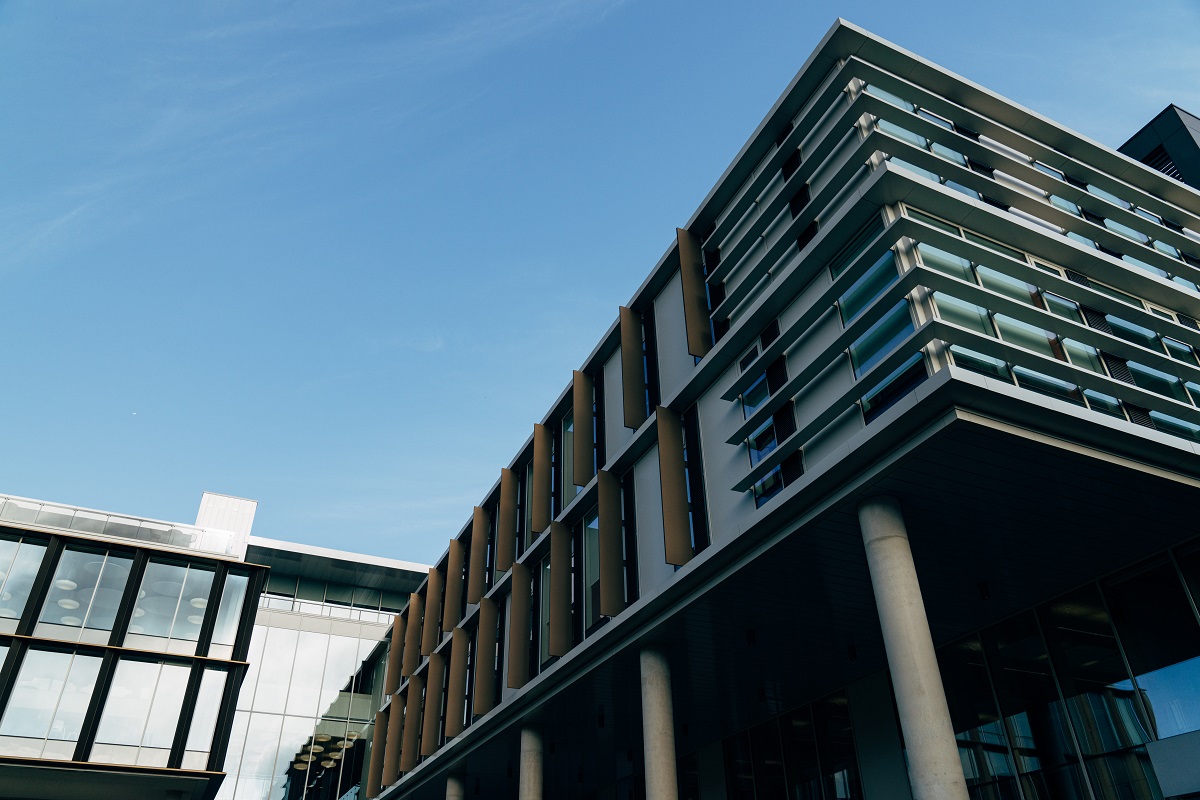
{"points": [[306, 709]]}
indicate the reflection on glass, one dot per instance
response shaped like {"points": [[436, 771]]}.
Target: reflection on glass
{"points": [[140, 714], [800, 755], [45, 712], [204, 719], [171, 605], [280, 653], [84, 594], [544, 635], [233, 596], [1162, 643], [591, 570], [982, 745], [1033, 714], [835, 737], [19, 562]]}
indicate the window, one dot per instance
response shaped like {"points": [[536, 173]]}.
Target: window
{"points": [[233, 596], [140, 714], [881, 338], [45, 712], [204, 719], [171, 606], [867, 289], [591, 570], [84, 594], [19, 562]]}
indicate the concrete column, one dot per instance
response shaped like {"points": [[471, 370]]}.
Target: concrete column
{"points": [[455, 790], [933, 763], [531, 765], [658, 727]]}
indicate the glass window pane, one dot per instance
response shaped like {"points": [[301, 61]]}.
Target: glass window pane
{"points": [[1027, 336], [978, 362], [768, 487], [35, 696], [762, 442], [1161, 640], [800, 755], [903, 134], [895, 100], [874, 282], [85, 592], [1083, 355], [208, 705], [982, 744], [942, 225], [164, 710], [948, 263], [1062, 307], [835, 748], [158, 599], [1132, 332], [1153, 380], [591, 569], [881, 339], [18, 580], [963, 314], [128, 703], [233, 596], [305, 678], [1179, 351], [1104, 403], [1008, 286], [754, 397], [280, 652], [1045, 384]]}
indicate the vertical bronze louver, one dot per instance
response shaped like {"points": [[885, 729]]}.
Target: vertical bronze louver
{"points": [[506, 521], [518, 626], [582, 392], [412, 635], [633, 370], [485, 658], [612, 567], [456, 687], [391, 747], [477, 573], [375, 772], [392, 682], [433, 704], [560, 589], [452, 608], [677, 531], [412, 724], [540, 492], [431, 630], [695, 298]]}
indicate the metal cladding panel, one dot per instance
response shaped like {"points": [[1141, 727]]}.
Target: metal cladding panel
{"points": [[392, 681], [456, 687], [506, 521], [412, 724], [582, 392], [391, 748], [412, 635], [433, 704], [518, 627], [375, 771], [560, 589], [452, 608], [431, 629], [540, 492], [485, 658], [477, 574], [633, 370], [612, 568], [677, 532], [695, 296]]}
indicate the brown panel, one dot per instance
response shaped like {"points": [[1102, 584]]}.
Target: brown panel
{"points": [[456, 688], [612, 566], [391, 748], [485, 658], [677, 532], [375, 772], [540, 493], [518, 627], [431, 632], [633, 370], [452, 608], [392, 683], [583, 390], [506, 522], [433, 704], [560, 589], [695, 298], [412, 635], [412, 724], [477, 574]]}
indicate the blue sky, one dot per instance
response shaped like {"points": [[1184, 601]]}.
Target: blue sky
{"points": [[340, 257]]}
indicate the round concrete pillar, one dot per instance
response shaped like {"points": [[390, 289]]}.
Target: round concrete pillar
{"points": [[933, 763], [658, 727], [455, 790], [531, 765]]}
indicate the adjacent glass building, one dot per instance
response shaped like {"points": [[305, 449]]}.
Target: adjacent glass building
{"points": [[124, 643], [879, 486]]}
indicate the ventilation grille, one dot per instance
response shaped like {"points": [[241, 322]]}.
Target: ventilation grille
{"points": [[1117, 367], [1095, 319], [1188, 322], [1075, 277], [1139, 415], [1159, 160]]}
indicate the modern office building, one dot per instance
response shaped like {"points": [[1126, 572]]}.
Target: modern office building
{"points": [[139, 660], [123, 643], [882, 485]]}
